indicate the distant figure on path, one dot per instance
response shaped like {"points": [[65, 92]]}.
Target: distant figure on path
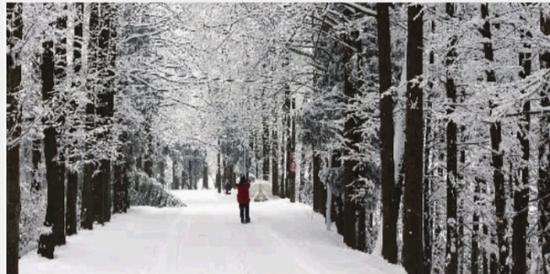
{"points": [[227, 188], [244, 199]]}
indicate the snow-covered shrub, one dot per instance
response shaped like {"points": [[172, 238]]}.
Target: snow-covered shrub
{"points": [[147, 191]]}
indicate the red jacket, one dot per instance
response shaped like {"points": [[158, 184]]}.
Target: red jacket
{"points": [[242, 193]]}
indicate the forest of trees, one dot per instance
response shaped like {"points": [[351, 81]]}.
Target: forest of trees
{"points": [[420, 131]]}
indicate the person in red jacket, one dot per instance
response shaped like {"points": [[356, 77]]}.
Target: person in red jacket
{"points": [[244, 199]]}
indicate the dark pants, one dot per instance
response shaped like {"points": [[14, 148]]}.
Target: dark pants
{"points": [[244, 212]]}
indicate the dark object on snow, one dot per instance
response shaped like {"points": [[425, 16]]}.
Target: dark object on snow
{"points": [[243, 198], [46, 245], [227, 188], [244, 210]]}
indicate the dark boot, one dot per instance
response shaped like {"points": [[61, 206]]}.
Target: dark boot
{"points": [[247, 213], [241, 212]]}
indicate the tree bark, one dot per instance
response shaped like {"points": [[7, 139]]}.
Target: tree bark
{"points": [[274, 159], [120, 188], [291, 151], [190, 172], [88, 186], [54, 173], [474, 268], [429, 185], [162, 167], [352, 137], [318, 189], [521, 190], [336, 205], [72, 175], [99, 183], [219, 175], [13, 77], [266, 150], [87, 213], [414, 145], [147, 158], [284, 170], [497, 155], [452, 163], [205, 176], [174, 173], [544, 156], [389, 230], [72, 192], [289, 159]]}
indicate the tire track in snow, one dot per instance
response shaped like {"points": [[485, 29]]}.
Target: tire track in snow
{"points": [[164, 254]]}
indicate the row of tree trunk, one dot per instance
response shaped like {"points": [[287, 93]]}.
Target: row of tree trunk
{"points": [[186, 173], [415, 257], [101, 190], [413, 185]]}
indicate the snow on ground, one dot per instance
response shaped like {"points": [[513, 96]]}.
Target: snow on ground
{"points": [[207, 237]]}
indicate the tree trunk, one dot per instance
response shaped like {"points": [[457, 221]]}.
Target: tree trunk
{"points": [[521, 190], [452, 163], [190, 172], [336, 206], [99, 180], [219, 175], [282, 189], [147, 158], [87, 213], [544, 156], [120, 180], [414, 145], [60, 67], [184, 176], [103, 44], [352, 137], [54, 174], [232, 176], [285, 145], [205, 176], [72, 192], [389, 230], [13, 205], [291, 147], [72, 175], [361, 228], [120, 189], [475, 230], [318, 189], [428, 188], [428, 183], [88, 186], [497, 155], [119, 203], [274, 159], [174, 173], [266, 149], [36, 148], [162, 168]]}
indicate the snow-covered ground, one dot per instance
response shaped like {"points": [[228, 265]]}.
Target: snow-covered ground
{"points": [[207, 237]]}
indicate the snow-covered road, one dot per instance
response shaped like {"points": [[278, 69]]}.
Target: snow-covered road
{"points": [[207, 237]]}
